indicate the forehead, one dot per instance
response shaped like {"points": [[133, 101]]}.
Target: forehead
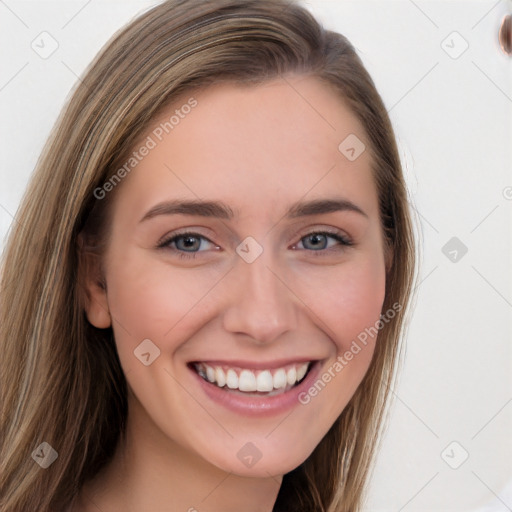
{"points": [[258, 147]]}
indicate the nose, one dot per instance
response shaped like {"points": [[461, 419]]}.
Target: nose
{"points": [[261, 305]]}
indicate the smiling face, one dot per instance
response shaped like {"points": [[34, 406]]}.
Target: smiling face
{"points": [[277, 273]]}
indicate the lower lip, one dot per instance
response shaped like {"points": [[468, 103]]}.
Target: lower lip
{"points": [[258, 405]]}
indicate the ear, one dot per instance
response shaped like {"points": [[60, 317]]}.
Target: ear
{"points": [[92, 286]]}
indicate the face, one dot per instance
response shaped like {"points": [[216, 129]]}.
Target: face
{"points": [[245, 258]]}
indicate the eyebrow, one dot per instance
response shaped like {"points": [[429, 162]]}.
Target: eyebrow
{"points": [[218, 209]]}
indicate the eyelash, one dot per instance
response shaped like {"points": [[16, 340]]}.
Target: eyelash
{"points": [[341, 239]]}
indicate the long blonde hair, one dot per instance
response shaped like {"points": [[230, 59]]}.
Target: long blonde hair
{"points": [[61, 379]]}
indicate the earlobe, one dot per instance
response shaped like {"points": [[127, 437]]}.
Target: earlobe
{"points": [[96, 305], [93, 287]]}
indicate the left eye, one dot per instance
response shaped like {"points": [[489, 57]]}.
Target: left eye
{"points": [[320, 241]]}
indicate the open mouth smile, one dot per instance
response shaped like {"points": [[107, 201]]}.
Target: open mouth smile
{"points": [[267, 382], [255, 389]]}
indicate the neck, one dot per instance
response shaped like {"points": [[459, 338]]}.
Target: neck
{"points": [[149, 471]]}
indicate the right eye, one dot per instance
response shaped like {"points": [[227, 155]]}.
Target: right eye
{"points": [[186, 244]]}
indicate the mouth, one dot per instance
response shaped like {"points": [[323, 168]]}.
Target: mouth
{"points": [[250, 382]]}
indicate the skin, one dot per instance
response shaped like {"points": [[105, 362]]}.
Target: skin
{"points": [[258, 149]]}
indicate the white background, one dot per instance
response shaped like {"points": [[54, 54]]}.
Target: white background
{"points": [[454, 124]]}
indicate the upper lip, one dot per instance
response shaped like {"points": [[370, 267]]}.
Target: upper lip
{"points": [[255, 365]]}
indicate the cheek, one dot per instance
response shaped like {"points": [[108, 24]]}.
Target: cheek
{"points": [[155, 301], [348, 310], [348, 298]]}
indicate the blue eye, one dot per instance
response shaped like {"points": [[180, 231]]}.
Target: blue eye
{"points": [[185, 244], [320, 241]]}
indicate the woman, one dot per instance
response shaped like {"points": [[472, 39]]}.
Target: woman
{"points": [[203, 294]]}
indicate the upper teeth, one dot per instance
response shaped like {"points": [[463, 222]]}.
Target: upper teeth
{"points": [[249, 380]]}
